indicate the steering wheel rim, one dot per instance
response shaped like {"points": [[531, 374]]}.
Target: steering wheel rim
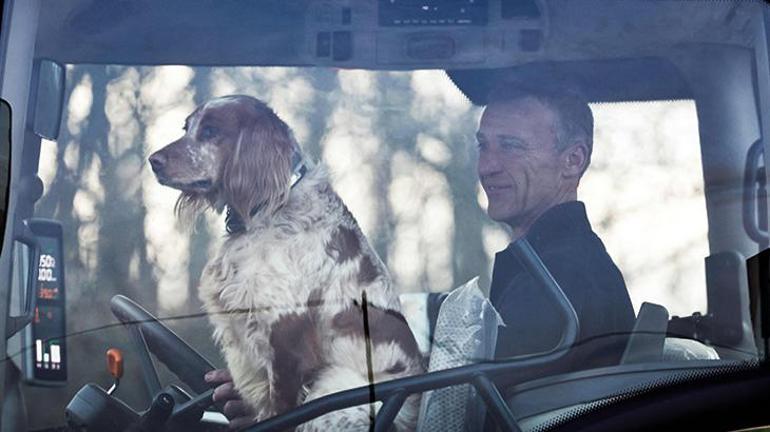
{"points": [[179, 357]]}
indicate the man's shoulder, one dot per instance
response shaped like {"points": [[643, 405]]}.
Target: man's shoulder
{"points": [[565, 234], [580, 265]]}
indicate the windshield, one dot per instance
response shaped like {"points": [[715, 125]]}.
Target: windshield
{"points": [[627, 176], [401, 151]]}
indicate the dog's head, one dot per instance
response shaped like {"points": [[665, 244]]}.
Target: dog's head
{"points": [[235, 151]]}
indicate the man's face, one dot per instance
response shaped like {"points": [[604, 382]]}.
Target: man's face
{"points": [[519, 164]]}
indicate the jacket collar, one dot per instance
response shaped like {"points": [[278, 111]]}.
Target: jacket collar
{"points": [[566, 220], [560, 222]]}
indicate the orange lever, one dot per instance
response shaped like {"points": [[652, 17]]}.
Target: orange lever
{"points": [[115, 363]]}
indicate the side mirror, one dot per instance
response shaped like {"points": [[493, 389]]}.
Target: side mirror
{"points": [[49, 99]]}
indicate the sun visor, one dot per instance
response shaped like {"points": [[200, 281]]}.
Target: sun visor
{"points": [[641, 79]]}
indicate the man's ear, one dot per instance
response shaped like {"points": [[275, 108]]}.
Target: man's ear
{"points": [[575, 159]]}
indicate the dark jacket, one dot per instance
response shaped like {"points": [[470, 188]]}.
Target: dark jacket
{"points": [[579, 263]]}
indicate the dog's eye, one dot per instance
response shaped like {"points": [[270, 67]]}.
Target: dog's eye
{"points": [[209, 132]]}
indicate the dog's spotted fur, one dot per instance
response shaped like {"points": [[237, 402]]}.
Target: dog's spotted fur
{"points": [[284, 291]]}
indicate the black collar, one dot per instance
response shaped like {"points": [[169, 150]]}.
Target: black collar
{"points": [[557, 225], [233, 222], [298, 168], [560, 222]]}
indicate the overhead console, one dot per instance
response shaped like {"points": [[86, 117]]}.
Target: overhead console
{"points": [[432, 12], [396, 34], [378, 34]]}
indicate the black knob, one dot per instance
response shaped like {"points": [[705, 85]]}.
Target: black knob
{"points": [[160, 410]]}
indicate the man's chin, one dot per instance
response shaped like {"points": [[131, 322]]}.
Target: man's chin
{"points": [[496, 214], [502, 216]]}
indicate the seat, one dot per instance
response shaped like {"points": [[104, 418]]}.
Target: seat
{"points": [[464, 333], [648, 335]]}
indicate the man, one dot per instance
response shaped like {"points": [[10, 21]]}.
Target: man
{"points": [[534, 146]]}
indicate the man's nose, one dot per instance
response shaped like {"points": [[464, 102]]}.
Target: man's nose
{"points": [[157, 162], [488, 164]]}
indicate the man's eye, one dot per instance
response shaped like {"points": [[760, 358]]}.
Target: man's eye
{"points": [[209, 132], [512, 145]]}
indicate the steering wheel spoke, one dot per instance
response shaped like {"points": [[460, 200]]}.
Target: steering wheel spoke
{"points": [[151, 336]]}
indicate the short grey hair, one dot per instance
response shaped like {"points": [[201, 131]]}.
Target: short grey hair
{"points": [[574, 117]]}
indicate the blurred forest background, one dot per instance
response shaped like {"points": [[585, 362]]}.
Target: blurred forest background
{"points": [[400, 148]]}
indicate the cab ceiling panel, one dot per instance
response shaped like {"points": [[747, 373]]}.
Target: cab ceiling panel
{"points": [[381, 34], [170, 31]]}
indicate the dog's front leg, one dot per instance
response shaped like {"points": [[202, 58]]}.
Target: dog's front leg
{"points": [[296, 358]]}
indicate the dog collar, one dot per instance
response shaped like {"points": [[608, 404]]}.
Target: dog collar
{"points": [[234, 224], [298, 168]]}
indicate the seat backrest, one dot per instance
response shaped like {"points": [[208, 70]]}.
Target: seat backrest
{"points": [[465, 333], [648, 336]]}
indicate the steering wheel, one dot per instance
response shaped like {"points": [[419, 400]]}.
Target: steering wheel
{"points": [[179, 357], [95, 409]]}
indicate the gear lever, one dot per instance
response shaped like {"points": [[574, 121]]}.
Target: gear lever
{"points": [[115, 366]]}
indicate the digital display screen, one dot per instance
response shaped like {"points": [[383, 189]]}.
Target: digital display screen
{"points": [[48, 270], [48, 325], [399, 13], [49, 351]]}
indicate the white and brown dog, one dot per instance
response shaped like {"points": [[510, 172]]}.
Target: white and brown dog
{"points": [[284, 292]]}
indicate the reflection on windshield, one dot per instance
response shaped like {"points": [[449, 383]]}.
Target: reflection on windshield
{"points": [[401, 150]]}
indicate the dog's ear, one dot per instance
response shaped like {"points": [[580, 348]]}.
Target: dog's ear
{"points": [[257, 172]]}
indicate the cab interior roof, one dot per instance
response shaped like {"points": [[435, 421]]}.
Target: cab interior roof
{"points": [[599, 42]]}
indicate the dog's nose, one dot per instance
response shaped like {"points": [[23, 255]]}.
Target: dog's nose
{"points": [[157, 162]]}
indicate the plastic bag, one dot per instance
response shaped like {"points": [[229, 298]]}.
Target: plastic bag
{"points": [[466, 333], [686, 349]]}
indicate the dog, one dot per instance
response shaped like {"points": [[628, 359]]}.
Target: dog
{"points": [[288, 290]]}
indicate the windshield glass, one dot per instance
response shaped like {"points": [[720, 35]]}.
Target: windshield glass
{"points": [[293, 233], [401, 151]]}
